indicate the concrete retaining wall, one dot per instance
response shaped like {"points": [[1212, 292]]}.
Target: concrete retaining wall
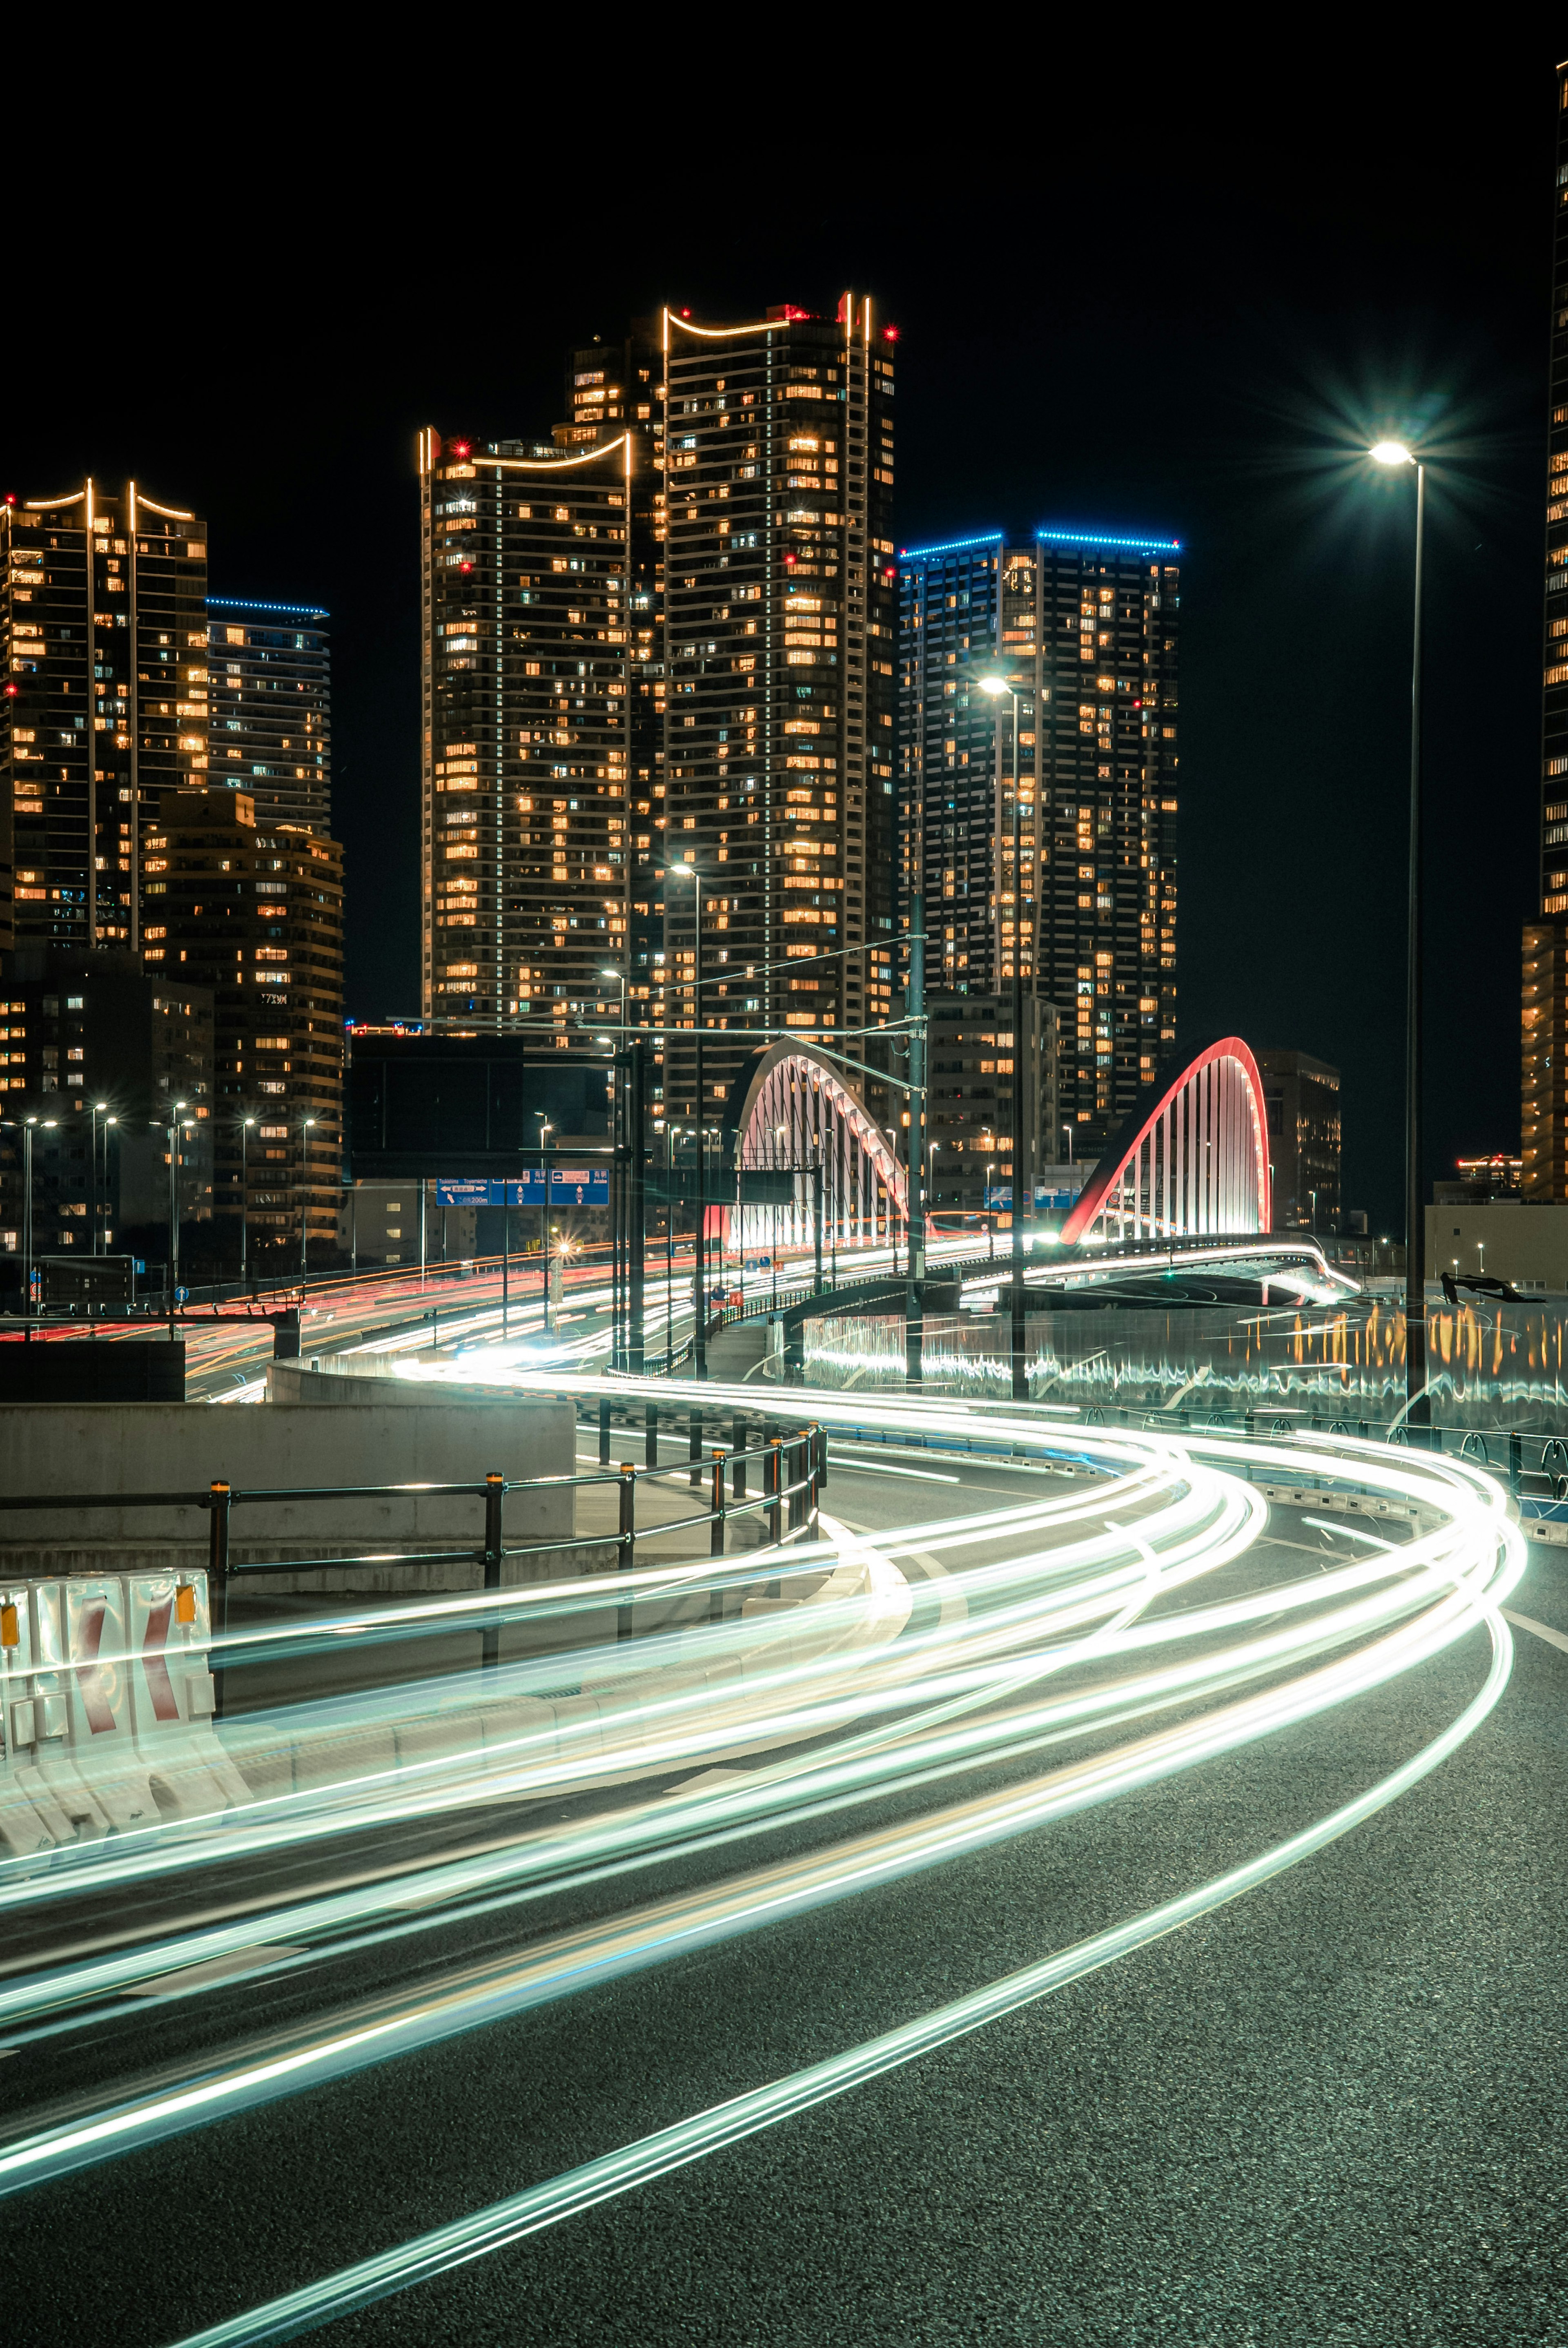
{"points": [[377, 1435]]}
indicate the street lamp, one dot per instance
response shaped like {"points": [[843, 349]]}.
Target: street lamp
{"points": [[699, 1339], [990, 1213], [620, 1213], [781, 1134], [305, 1124], [671, 1133], [996, 685], [545, 1126], [245, 1124], [25, 1126], [100, 1108], [173, 1131], [1417, 1409]]}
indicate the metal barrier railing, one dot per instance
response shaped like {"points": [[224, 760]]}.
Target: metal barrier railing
{"points": [[794, 1471]]}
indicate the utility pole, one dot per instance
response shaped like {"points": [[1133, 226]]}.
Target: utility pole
{"points": [[636, 1201], [1023, 1171], [915, 1007]]}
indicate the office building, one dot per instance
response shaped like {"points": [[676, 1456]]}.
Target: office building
{"points": [[269, 697], [974, 1070], [106, 702], [255, 911], [1082, 886], [103, 1053], [1544, 1009], [1301, 1097]]}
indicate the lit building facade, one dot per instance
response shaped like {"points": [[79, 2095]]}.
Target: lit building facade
{"points": [[779, 613], [269, 697], [253, 910], [974, 1071], [1302, 1101], [527, 725], [1544, 1120], [104, 616], [1085, 626]]}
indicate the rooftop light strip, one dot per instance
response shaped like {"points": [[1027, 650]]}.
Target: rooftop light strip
{"points": [[555, 464], [240, 603], [1105, 538]]}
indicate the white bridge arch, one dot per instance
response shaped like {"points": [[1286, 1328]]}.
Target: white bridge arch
{"points": [[795, 1111], [1190, 1161]]}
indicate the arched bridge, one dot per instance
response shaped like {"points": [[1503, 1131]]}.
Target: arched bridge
{"points": [[792, 1110], [1190, 1161]]}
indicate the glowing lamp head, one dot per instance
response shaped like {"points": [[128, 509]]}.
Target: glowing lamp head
{"points": [[1391, 452], [994, 685]]}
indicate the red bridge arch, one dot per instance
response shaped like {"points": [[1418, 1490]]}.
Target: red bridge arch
{"points": [[1192, 1159]]}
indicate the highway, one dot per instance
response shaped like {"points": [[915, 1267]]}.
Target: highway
{"points": [[1108, 1892]]}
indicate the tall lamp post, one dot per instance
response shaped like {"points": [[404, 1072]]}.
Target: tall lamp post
{"points": [[700, 1338], [671, 1135], [305, 1124], [100, 1108], [996, 685], [26, 1126], [1417, 1407], [545, 1126], [620, 1233], [245, 1124], [173, 1131]]}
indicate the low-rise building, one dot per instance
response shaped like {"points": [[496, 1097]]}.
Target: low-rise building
{"points": [[102, 1056]]}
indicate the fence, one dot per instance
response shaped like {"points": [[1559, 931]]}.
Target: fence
{"points": [[794, 1470]]}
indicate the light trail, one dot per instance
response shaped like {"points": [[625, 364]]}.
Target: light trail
{"points": [[1084, 1621]]}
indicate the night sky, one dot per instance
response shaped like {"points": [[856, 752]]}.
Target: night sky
{"points": [[1177, 310]]}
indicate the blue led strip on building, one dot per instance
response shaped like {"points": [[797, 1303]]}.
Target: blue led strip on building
{"points": [[1100, 537], [295, 611]]}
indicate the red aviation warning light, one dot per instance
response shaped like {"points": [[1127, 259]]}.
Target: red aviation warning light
{"points": [[890, 334], [459, 448]]}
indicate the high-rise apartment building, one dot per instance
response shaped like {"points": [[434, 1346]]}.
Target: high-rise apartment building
{"points": [[666, 635], [270, 697], [527, 726], [1085, 626], [104, 627], [778, 636], [253, 910], [1545, 1135]]}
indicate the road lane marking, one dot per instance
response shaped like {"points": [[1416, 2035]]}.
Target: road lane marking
{"points": [[1541, 1630]]}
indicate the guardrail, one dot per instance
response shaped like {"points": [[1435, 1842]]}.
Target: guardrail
{"points": [[794, 1470]]}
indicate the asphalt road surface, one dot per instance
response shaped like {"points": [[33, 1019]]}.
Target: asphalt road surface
{"points": [[1332, 2112]]}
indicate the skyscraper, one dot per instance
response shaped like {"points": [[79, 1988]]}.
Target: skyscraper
{"points": [[1544, 1022], [1084, 626], [527, 725], [778, 651], [106, 700], [666, 634], [270, 694]]}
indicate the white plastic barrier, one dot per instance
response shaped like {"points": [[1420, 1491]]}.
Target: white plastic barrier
{"points": [[106, 1705]]}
